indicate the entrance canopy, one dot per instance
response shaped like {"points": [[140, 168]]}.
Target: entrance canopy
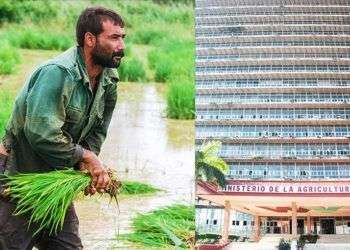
{"points": [[275, 198]]}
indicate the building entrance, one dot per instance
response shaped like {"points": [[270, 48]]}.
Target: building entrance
{"points": [[300, 226], [327, 226]]}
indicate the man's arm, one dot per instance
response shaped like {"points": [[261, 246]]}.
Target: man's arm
{"points": [[45, 116], [98, 133]]}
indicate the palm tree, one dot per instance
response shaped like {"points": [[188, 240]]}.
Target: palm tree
{"points": [[209, 166]]}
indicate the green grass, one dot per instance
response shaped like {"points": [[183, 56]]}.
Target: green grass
{"points": [[9, 58], [180, 99], [38, 38], [150, 35], [174, 58], [174, 64], [33, 10], [132, 69], [161, 227], [137, 188], [6, 100]]}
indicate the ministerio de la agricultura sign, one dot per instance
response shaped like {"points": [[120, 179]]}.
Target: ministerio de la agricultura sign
{"points": [[288, 187]]}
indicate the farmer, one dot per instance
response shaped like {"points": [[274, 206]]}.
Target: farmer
{"points": [[60, 119]]}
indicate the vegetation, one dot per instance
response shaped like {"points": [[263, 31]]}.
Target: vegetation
{"points": [[6, 100], [132, 69], [284, 244], [180, 101], [135, 188], [45, 197], [173, 65], [9, 58], [164, 228], [208, 238], [208, 165], [38, 38], [307, 238]]}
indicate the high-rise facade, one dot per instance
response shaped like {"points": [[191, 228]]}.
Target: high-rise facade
{"points": [[273, 84]]}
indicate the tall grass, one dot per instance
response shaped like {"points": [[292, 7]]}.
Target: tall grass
{"points": [[131, 69], [9, 58], [174, 63], [163, 227], [149, 35], [180, 99], [6, 103], [33, 10], [173, 59], [38, 38]]}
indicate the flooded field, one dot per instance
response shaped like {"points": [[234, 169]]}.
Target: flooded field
{"points": [[145, 146]]}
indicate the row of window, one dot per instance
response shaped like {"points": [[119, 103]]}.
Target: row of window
{"points": [[284, 150], [273, 114], [271, 43], [225, 83], [215, 33], [256, 131], [273, 55], [224, 20], [278, 68], [289, 171], [272, 97], [273, 10], [255, 3]]}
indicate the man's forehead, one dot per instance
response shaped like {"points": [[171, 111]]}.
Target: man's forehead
{"points": [[110, 28]]}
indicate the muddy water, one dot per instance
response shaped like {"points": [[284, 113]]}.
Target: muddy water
{"points": [[145, 146]]}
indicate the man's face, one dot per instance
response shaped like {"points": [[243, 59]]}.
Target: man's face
{"points": [[109, 48]]}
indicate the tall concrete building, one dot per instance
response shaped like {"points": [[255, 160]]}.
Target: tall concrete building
{"points": [[273, 84]]}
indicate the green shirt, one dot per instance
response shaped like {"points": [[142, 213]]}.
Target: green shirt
{"points": [[56, 115]]}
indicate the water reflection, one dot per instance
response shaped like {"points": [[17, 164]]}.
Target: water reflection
{"points": [[145, 146]]}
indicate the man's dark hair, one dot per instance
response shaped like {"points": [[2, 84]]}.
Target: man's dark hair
{"points": [[91, 19]]}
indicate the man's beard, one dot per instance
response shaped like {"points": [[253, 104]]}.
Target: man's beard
{"points": [[101, 57]]}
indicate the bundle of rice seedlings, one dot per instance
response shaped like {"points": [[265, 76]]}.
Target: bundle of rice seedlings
{"points": [[45, 197], [164, 228]]}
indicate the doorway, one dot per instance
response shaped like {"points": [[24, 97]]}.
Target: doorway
{"points": [[327, 226], [300, 226]]}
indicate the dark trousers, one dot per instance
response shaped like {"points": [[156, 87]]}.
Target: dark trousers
{"points": [[15, 234]]}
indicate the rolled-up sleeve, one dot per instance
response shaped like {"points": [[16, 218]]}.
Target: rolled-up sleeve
{"points": [[45, 116], [98, 134]]}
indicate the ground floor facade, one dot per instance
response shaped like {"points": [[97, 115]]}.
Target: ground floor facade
{"points": [[256, 208]]}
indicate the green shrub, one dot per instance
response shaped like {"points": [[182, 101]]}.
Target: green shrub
{"points": [[9, 58], [33, 10], [6, 100], [180, 99], [208, 238], [36, 38], [131, 69]]}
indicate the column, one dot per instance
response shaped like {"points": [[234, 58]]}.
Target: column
{"points": [[256, 228], [226, 224], [294, 221], [308, 224]]}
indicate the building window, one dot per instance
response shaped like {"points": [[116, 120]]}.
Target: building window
{"points": [[215, 222]]}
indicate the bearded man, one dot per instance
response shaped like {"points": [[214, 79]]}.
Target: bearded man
{"points": [[60, 120]]}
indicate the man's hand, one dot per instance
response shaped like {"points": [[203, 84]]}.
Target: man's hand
{"points": [[3, 150], [100, 178]]}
